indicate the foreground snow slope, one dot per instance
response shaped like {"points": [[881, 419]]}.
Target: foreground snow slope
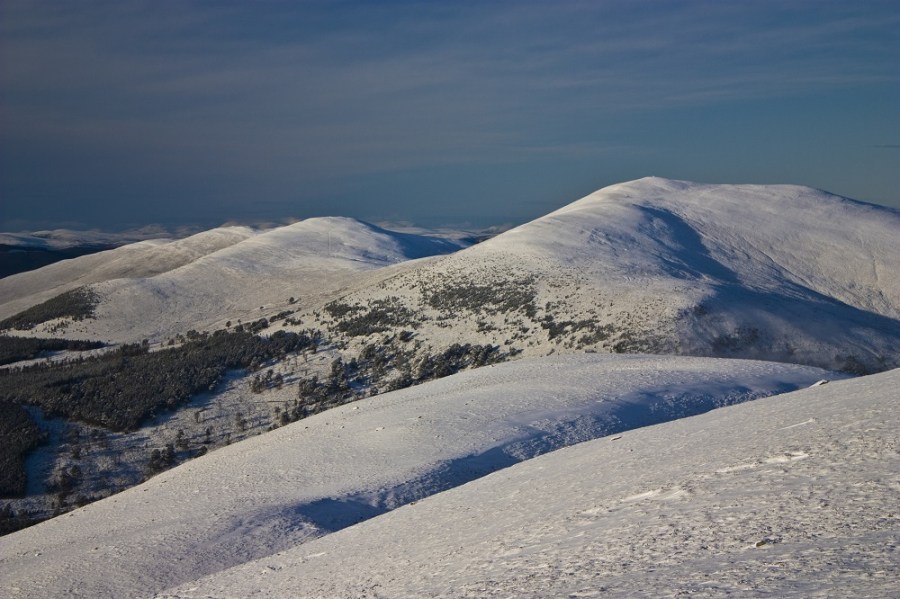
{"points": [[773, 272], [297, 483], [788, 496]]}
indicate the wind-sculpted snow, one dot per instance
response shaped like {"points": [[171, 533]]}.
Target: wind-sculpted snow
{"points": [[788, 496], [325, 473]]}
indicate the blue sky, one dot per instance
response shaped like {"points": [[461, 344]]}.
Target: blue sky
{"points": [[122, 113]]}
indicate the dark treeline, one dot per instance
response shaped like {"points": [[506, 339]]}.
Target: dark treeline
{"points": [[120, 388], [377, 316], [15, 349], [19, 434], [377, 361], [76, 304]]}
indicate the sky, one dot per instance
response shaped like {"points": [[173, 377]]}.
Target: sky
{"points": [[123, 113]]}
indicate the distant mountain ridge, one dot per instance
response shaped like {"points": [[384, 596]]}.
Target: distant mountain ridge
{"points": [[23, 252], [164, 287], [174, 349], [16, 259]]}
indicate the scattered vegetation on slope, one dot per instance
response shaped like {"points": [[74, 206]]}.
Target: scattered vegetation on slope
{"points": [[379, 316], [501, 297], [120, 388], [76, 304], [15, 349], [387, 363]]}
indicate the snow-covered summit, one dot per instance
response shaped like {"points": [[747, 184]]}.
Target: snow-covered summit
{"points": [[331, 240], [756, 236], [774, 272]]}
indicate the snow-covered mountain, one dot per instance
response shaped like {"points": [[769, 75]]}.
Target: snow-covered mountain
{"points": [[136, 260], [347, 310], [779, 272], [788, 496], [771, 272], [158, 288], [62, 239], [23, 252], [271, 493]]}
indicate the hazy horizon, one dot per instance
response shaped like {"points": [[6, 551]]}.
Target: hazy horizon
{"points": [[116, 115]]}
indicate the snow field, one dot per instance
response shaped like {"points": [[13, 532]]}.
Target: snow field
{"points": [[789, 496], [325, 473]]}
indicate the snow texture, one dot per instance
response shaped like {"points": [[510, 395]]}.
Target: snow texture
{"points": [[771, 272], [160, 288], [788, 496], [326, 473]]}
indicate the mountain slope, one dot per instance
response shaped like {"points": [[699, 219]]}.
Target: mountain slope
{"points": [[224, 274], [789, 496], [783, 273], [22, 252], [305, 480], [140, 259]]}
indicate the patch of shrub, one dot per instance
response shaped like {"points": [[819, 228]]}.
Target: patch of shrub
{"points": [[76, 304], [455, 358], [502, 297], [16, 349], [12, 520], [160, 460], [379, 316], [18, 435], [121, 388], [601, 333]]}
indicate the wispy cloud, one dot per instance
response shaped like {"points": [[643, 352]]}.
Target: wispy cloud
{"points": [[293, 95]]}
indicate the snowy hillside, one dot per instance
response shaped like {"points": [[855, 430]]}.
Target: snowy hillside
{"points": [[789, 496], [61, 239], [157, 289], [775, 272], [300, 482], [23, 252], [141, 259], [327, 333]]}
